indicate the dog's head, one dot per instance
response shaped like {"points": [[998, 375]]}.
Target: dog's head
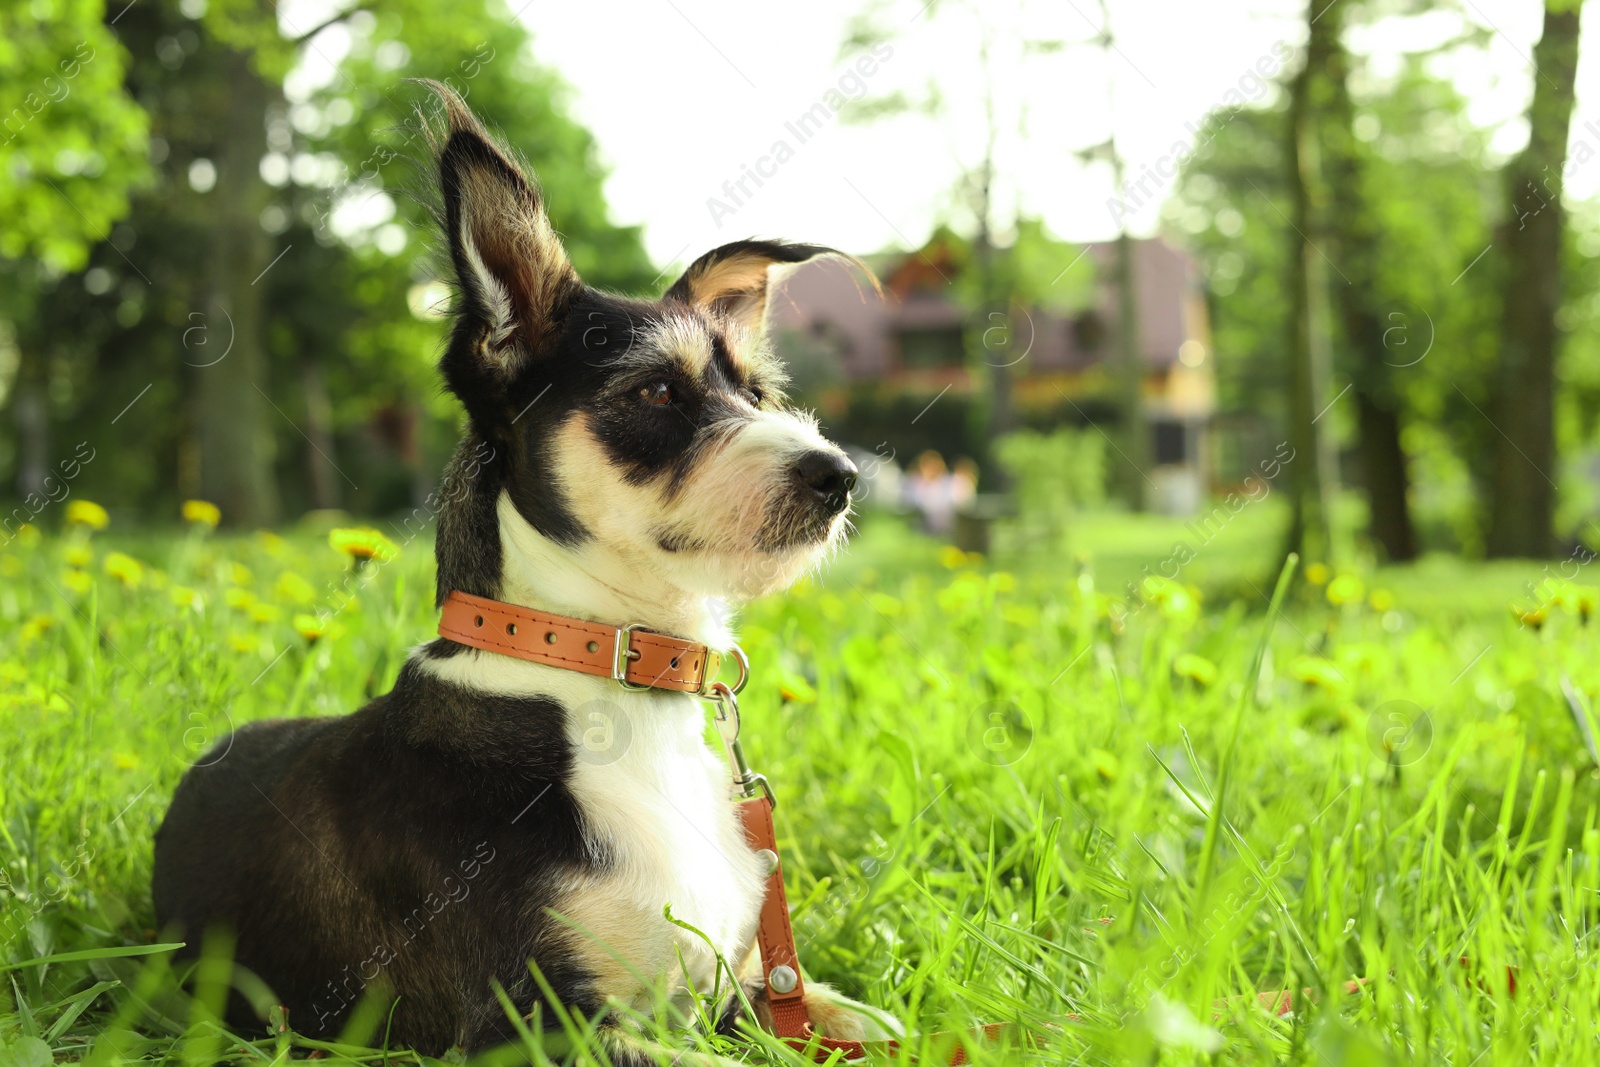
{"points": [[655, 432]]}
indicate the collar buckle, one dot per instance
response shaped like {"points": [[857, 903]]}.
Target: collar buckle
{"points": [[624, 656]]}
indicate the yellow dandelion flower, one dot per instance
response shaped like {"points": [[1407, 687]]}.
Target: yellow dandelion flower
{"points": [[240, 599], [125, 569], [78, 555], [1346, 589], [1316, 671], [887, 605], [1575, 600], [1105, 764], [275, 545], [1317, 573], [1003, 581], [243, 644], [1179, 605], [363, 543], [28, 535], [125, 761], [294, 589], [184, 597], [311, 627], [1587, 601], [239, 574], [78, 581], [263, 612], [1531, 616], [35, 628], [1381, 600], [1196, 668], [952, 557], [796, 690], [88, 514], [13, 672], [201, 513], [1358, 658]]}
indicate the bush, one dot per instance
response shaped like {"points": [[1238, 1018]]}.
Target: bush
{"points": [[1053, 474]]}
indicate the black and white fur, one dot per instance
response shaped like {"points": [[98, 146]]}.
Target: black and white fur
{"points": [[627, 461]]}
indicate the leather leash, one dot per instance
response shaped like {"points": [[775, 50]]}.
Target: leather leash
{"points": [[637, 658]]}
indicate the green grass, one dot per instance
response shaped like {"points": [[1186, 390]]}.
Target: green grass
{"points": [[996, 800]]}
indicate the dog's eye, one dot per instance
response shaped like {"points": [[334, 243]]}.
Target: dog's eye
{"points": [[659, 394], [755, 395]]}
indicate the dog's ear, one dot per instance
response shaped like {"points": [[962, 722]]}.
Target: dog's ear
{"points": [[731, 282], [516, 281]]}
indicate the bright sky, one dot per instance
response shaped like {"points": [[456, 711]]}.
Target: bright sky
{"points": [[684, 95]]}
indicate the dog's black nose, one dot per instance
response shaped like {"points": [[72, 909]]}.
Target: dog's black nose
{"points": [[830, 475]]}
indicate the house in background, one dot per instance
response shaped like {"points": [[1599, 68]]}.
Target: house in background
{"points": [[913, 343]]}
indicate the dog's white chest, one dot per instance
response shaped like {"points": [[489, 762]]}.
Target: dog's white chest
{"points": [[655, 801], [656, 808]]}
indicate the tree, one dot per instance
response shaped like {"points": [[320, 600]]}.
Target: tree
{"points": [[236, 444], [1432, 188], [340, 356], [1311, 473], [72, 145], [1132, 429], [1356, 245], [983, 192], [1522, 486]]}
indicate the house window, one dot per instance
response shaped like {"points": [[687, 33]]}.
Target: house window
{"points": [[1089, 331], [1171, 442], [928, 347]]}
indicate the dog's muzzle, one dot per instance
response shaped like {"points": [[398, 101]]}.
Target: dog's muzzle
{"points": [[829, 476]]}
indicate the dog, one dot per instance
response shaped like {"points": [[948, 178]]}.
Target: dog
{"points": [[625, 461]]}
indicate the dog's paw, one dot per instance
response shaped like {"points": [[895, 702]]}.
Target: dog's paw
{"points": [[837, 1016]]}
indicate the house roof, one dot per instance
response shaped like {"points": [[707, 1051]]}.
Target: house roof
{"points": [[825, 301]]}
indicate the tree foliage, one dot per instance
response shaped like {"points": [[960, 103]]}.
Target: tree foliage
{"points": [[336, 193]]}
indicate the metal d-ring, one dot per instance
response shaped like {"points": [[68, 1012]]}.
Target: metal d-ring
{"points": [[744, 671]]}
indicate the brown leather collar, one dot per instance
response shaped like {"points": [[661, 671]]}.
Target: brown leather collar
{"points": [[638, 658]]}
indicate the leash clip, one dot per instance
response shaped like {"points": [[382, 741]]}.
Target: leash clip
{"points": [[745, 780]]}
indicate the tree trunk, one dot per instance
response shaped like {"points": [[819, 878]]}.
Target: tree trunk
{"points": [[235, 437], [994, 306], [1522, 486], [1134, 433], [31, 410], [1353, 244], [1310, 531], [320, 467]]}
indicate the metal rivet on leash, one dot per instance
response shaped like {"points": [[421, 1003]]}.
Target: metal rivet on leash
{"points": [[782, 979], [769, 861]]}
